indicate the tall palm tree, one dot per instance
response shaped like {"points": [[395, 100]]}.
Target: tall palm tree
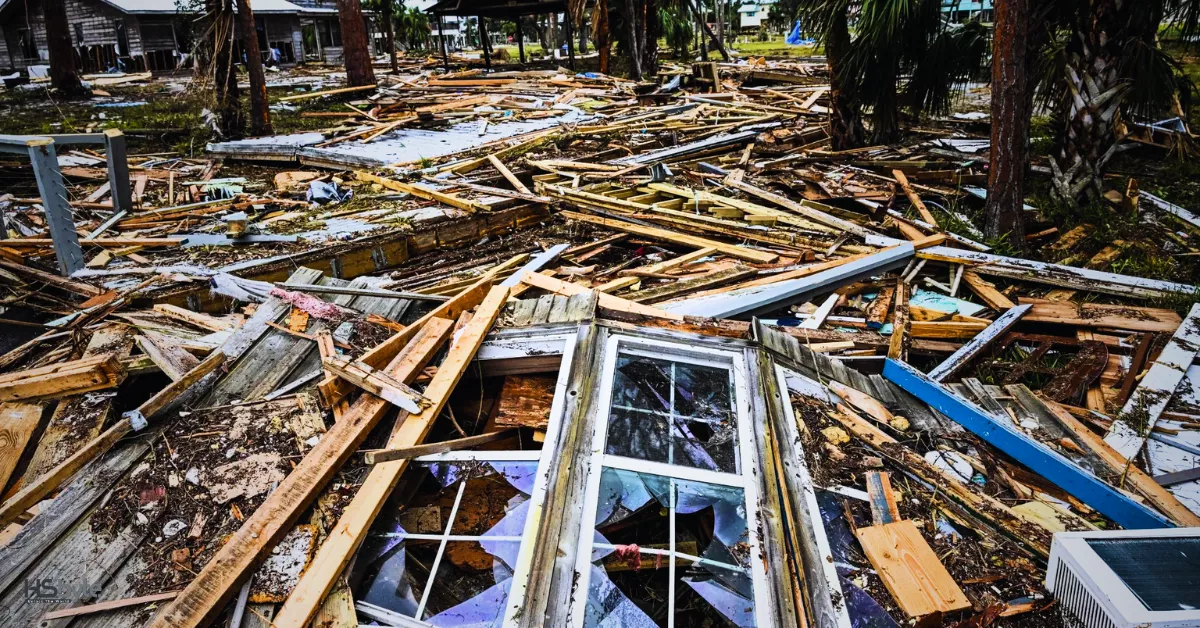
{"points": [[1112, 64], [893, 40]]}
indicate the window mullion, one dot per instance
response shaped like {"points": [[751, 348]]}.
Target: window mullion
{"points": [[462, 487], [671, 557]]}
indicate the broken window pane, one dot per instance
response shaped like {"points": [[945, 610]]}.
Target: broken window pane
{"points": [[633, 550], [673, 412], [447, 555]]}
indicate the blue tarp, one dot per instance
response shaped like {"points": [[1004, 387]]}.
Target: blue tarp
{"points": [[794, 38]]}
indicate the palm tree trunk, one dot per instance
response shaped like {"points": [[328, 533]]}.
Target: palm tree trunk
{"points": [[1092, 110], [651, 31], [260, 116], [845, 121], [1010, 122], [603, 41], [355, 50], [225, 82], [63, 75], [390, 31], [635, 53]]}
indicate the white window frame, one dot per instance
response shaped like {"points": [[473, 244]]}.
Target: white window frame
{"points": [[746, 479]]}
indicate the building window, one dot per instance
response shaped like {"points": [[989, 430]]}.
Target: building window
{"points": [[331, 33], [122, 38], [448, 556], [670, 533]]}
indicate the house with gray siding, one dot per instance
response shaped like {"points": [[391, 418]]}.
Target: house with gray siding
{"points": [[138, 35]]}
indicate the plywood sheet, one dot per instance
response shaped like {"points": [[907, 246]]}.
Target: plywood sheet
{"points": [[910, 569]]}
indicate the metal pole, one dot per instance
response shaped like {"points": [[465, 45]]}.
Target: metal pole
{"points": [[118, 170], [54, 201], [442, 36]]}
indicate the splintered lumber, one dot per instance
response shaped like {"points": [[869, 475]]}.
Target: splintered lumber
{"points": [[897, 349], [987, 292], [913, 197], [525, 401], [864, 402], [1042, 460], [1155, 493], [508, 175], [422, 191], [377, 383], [756, 296], [333, 389], [75, 287], [1057, 274], [328, 92], [882, 498], [910, 569], [35, 491], [666, 235], [62, 379], [953, 364], [657, 267], [1000, 517], [18, 422], [339, 547], [1101, 315], [1154, 392], [607, 301], [206, 595], [171, 359], [376, 456], [877, 311], [806, 209]]}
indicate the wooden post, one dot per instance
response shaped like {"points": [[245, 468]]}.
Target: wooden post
{"points": [[260, 116], [570, 40], [442, 37], [485, 44], [520, 40]]}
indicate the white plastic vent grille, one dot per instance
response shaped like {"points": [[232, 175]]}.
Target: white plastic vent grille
{"points": [[1077, 606]]}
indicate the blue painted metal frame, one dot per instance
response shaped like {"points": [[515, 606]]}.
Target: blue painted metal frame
{"points": [[1073, 479]]}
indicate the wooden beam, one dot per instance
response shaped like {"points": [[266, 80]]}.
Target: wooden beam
{"points": [[897, 349], [62, 379], [37, 243], [883, 498], [18, 422], [206, 595], [913, 197], [666, 235], [35, 491], [987, 292], [422, 191], [1157, 387], [62, 283], [953, 364], [328, 92], [110, 605], [377, 383], [657, 267], [1094, 315], [376, 456], [171, 359], [607, 301], [335, 553], [198, 319], [507, 174]]}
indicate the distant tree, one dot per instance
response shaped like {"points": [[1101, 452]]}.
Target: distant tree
{"points": [[220, 66], [260, 115], [63, 75], [355, 50]]}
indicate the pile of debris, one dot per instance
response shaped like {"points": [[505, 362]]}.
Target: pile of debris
{"points": [[552, 349]]}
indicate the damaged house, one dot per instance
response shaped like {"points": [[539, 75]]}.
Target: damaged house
{"points": [[142, 35]]}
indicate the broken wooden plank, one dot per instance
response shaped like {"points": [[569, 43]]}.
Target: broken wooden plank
{"points": [[338, 548], [110, 605], [377, 383], [914, 198], [1033, 454], [910, 569], [897, 345], [198, 319], [170, 358], [953, 364], [508, 175], [376, 456], [667, 235], [1102, 315], [62, 379], [18, 422], [987, 292], [606, 301], [207, 594], [1157, 387], [657, 267], [883, 499]]}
